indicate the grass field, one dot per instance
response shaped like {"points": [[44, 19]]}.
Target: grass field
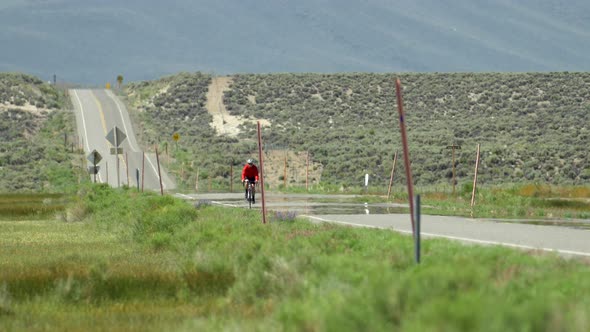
{"points": [[135, 262]]}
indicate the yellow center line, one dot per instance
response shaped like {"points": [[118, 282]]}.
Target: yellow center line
{"points": [[104, 124]]}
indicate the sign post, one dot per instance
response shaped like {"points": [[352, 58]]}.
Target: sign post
{"points": [[116, 137], [94, 157], [176, 137]]}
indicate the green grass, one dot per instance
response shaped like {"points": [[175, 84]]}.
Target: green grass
{"points": [[33, 205], [141, 262]]}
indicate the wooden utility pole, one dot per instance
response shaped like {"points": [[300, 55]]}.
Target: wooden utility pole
{"points": [[402, 126], [459, 148], [475, 177], [391, 177]]}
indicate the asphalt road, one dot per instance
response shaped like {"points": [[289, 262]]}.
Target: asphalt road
{"points": [[97, 113], [562, 240], [565, 241]]}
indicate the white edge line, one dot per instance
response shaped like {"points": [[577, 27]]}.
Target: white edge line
{"points": [[212, 202], [110, 94], [84, 125], [225, 204], [155, 171], [520, 246], [83, 121]]}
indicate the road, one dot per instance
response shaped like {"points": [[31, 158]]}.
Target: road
{"points": [[97, 113], [565, 241], [561, 240]]}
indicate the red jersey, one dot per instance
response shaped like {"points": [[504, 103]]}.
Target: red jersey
{"points": [[250, 171]]}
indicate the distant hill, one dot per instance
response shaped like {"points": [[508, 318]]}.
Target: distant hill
{"points": [[93, 41], [37, 151], [532, 127]]}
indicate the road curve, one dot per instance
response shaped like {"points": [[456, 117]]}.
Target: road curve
{"points": [[561, 240], [97, 113]]}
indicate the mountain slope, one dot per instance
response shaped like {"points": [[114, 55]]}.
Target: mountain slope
{"points": [[36, 153], [93, 42], [531, 126]]}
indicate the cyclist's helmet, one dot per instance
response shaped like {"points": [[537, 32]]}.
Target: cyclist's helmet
{"points": [[250, 161]]}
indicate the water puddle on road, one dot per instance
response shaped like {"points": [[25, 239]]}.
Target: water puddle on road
{"points": [[349, 205]]}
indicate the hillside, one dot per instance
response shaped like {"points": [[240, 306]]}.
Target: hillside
{"points": [[531, 127], [92, 42], [36, 153]]}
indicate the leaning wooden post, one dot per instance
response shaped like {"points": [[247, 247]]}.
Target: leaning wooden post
{"points": [[391, 177], [475, 177], [402, 126], [261, 176], [159, 173]]}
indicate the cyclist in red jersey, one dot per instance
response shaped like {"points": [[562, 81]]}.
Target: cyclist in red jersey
{"points": [[249, 173]]}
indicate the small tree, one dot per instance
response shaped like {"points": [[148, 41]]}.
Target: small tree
{"points": [[120, 80]]}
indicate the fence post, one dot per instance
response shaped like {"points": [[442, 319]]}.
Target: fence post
{"points": [[391, 178], [475, 177], [260, 157], [402, 125], [417, 229]]}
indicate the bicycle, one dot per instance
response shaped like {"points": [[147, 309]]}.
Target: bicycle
{"points": [[251, 193]]}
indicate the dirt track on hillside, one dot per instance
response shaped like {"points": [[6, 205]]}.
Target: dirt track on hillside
{"points": [[223, 122]]}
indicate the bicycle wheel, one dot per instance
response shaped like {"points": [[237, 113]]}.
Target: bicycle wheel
{"points": [[250, 196]]}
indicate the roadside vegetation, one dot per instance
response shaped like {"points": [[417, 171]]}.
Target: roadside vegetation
{"points": [[140, 262], [531, 126], [37, 153]]}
